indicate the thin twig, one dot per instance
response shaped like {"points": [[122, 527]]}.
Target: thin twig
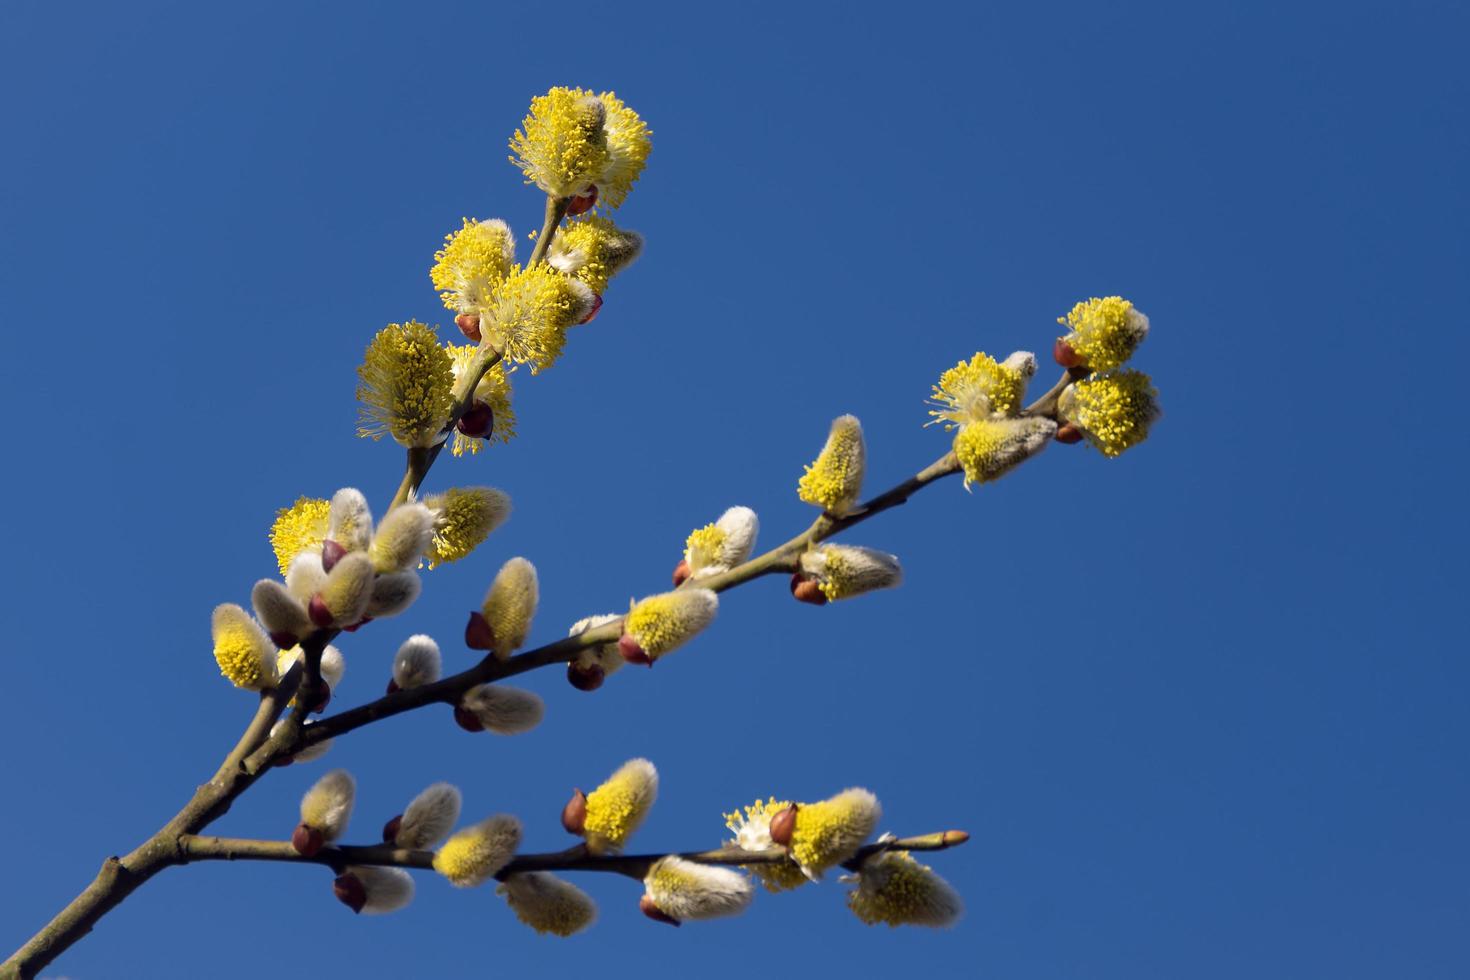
{"points": [[781, 558], [197, 848], [778, 559], [1046, 405], [556, 210]]}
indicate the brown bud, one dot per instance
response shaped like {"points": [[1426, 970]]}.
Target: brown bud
{"points": [[393, 687], [574, 814], [324, 700], [783, 825], [585, 677], [478, 422], [596, 309], [582, 203], [477, 632], [1064, 355], [681, 573], [469, 325], [332, 552], [284, 760], [954, 838], [646, 906], [358, 625], [350, 892], [390, 829], [632, 652], [1068, 433], [318, 611], [807, 590], [285, 640], [307, 840], [467, 719]]}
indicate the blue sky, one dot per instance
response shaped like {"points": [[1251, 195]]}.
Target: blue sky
{"points": [[1200, 707]]}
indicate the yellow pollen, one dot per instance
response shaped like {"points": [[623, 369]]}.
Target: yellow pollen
{"points": [[975, 390], [1114, 410], [404, 385], [618, 807], [472, 264], [834, 481], [300, 527], [562, 146], [1105, 332], [628, 145]]}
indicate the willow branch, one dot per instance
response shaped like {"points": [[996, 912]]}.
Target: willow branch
{"points": [[450, 689], [783, 557], [779, 559], [421, 459], [197, 848]]}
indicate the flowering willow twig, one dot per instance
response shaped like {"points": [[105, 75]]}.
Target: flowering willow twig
{"points": [[193, 847], [780, 559], [421, 459]]}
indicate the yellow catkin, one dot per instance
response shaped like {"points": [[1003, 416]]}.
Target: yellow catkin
{"points": [[990, 448], [724, 544], [1114, 410], [843, 571], [300, 527], [896, 890], [976, 389], [532, 313], [834, 481], [548, 904], [245, 655], [830, 832], [327, 806], [752, 829], [686, 889], [1105, 332], [463, 518], [404, 385], [562, 146], [704, 546], [472, 264], [618, 807], [662, 623], [628, 145], [593, 249], [473, 855], [510, 605]]}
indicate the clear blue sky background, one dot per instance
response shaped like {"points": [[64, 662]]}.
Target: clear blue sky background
{"points": [[1202, 708]]}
